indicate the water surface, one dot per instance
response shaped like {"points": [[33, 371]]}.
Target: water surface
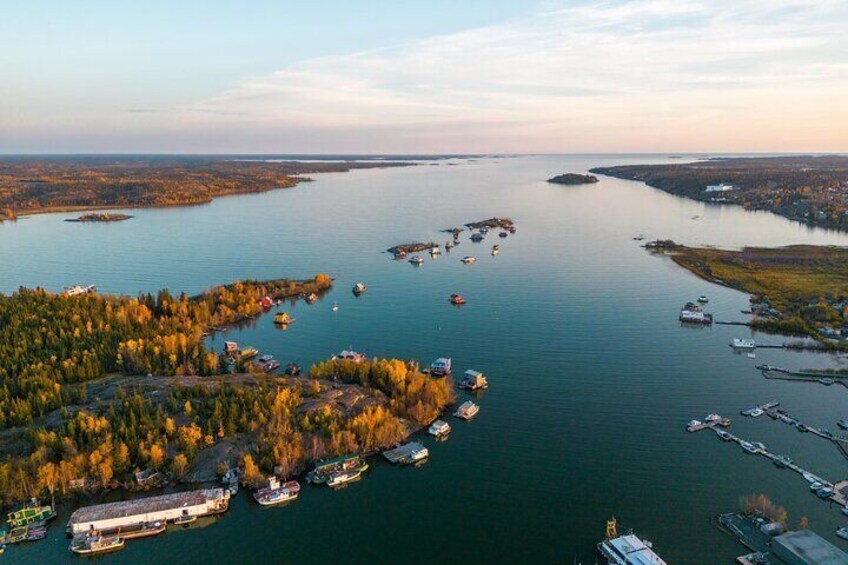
{"points": [[592, 378]]}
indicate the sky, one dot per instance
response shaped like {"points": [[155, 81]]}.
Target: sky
{"points": [[441, 76]]}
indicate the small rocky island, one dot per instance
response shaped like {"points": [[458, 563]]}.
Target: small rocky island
{"points": [[573, 179], [100, 217]]}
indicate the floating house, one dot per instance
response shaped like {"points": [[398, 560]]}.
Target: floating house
{"points": [[164, 508], [474, 380]]}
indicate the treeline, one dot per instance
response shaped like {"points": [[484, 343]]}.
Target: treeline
{"points": [[49, 342]]}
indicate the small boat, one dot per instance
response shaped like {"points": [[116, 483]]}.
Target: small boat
{"points": [[825, 492], [826, 381], [843, 533], [752, 355], [439, 428], [271, 365], [457, 299], [496, 249], [185, 520], [417, 260], [782, 461], [815, 486], [440, 367], [359, 288], [749, 447], [343, 477], [477, 237], [449, 244], [96, 543], [435, 250], [311, 298], [703, 299], [843, 424], [468, 260], [503, 234], [292, 370], [335, 306], [743, 343], [283, 318], [723, 435], [248, 352], [466, 410], [266, 358], [712, 418]]}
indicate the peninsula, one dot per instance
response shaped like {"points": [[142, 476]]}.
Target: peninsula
{"points": [[38, 185], [799, 289], [808, 189], [86, 383], [572, 179]]}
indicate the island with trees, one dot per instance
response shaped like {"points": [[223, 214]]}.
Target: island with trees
{"points": [[799, 289], [809, 189], [100, 217], [573, 179], [30, 185]]}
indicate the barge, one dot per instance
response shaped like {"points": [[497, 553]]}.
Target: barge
{"points": [[163, 508]]}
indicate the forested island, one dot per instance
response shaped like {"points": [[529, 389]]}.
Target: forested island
{"points": [[35, 185], [572, 179], [100, 217], [799, 289], [808, 189]]}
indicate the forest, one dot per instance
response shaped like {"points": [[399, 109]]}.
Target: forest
{"points": [[57, 439], [34, 184]]}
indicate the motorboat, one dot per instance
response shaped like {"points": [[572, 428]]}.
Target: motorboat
{"points": [[468, 260], [417, 260]]}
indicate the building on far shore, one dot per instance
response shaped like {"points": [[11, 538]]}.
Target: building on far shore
{"points": [[720, 188]]}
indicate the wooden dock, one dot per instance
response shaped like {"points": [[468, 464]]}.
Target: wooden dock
{"points": [[403, 454]]}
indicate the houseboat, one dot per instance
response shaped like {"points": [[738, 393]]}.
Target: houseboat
{"points": [[417, 260], [439, 428], [359, 288], [276, 492], [440, 367], [32, 512], [469, 260], [96, 543], [164, 508], [466, 410], [457, 299], [283, 318], [628, 549], [327, 467], [474, 380], [691, 316], [743, 343], [349, 355]]}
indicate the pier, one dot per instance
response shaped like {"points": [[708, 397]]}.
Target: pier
{"points": [[781, 415], [839, 489], [779, 373]]}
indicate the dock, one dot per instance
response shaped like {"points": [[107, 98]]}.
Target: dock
{"points": [[779, 373], [840, 489], [781, 415], [404, 454]]}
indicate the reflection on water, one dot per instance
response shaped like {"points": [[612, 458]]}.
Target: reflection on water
{"points": [[592, 379]]}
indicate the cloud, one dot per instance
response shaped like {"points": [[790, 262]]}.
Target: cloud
{"points": [[582, 70]]}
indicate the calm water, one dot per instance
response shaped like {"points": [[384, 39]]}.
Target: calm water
{"points": [[592, 378]]}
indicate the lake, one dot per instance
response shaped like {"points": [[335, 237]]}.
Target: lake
{"points": [[592, 379]]}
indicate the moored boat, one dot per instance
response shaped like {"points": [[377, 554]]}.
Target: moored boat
{"points": [[466, 410], [468, 260], [417, 260], [843, 424], [349, 355], [276, 492], [283, 318], [723, 435], [439, 428], [96, 543], [327, 467], [359, 288], [503, 234], [782, 461], [30, 513], [440, 367], [474, 380], [343, 477], [738, 343], [703, 299], [628, 549], [842, 533], [311, 298], [248, 352], [496, 249]]}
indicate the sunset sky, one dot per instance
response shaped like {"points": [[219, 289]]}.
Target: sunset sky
{"points": [[426, 77]]}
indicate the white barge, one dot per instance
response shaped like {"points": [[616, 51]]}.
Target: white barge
{"points": [[164, 508]]}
